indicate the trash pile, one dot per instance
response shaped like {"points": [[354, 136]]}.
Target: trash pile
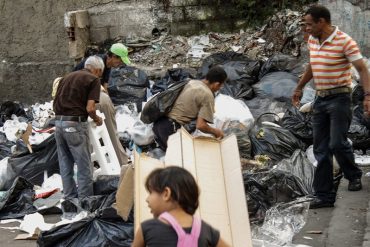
{"points": [[273, 137], [281, 33]]}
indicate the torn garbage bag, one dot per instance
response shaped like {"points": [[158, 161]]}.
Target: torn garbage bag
{"points": [[95, 230], [267, 188], [103, 227], [299, 123], [172, 76], [299, 165], [275, 142], [278, 85], [18, 200], [32, 165], [128, 84]]}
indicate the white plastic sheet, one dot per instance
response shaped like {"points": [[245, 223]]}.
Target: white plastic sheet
{"points": [[229, 109]]}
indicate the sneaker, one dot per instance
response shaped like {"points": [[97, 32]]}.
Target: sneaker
{"points": [[319, 203], [355, 184]]}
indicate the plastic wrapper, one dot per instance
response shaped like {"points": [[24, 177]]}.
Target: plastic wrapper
{"points": [[128, 84], [261, 105], [275, 142], [172, 76], [265, 189], [242, 137], [32, 165], [281, 62], [299, 123], [18, 200], [282, 222], [309, 94], [300, 166], [42, 113], [13, 129], [278, 85]]}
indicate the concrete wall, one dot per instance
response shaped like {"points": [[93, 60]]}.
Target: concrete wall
{"points": [[352, 17], [34, 41]]}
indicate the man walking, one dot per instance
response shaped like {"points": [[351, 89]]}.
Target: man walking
{"points": [[75, 100], [331, 54]]}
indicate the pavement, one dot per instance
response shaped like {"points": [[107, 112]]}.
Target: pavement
{"points": [[347, 224]]}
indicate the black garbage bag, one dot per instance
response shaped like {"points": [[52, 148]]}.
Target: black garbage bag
{"points": [[128, 84], [32, 166], [172, 76], [221, 58], [267, 188], [106, 184], [242, 137], [275, 142], [8, 108], [277, 85], [240, 76], [357, 95], [95, 230], [162, 103], [299, 165], [282, 62], [359, 130], [18, 200], [241, 73], [299, 123], [5, 146], [262, 105]]}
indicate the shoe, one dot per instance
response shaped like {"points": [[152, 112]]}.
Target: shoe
{"points": [[318, 203], [355, 184]]}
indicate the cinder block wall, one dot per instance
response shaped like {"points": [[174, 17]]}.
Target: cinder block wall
{"points": [[34, 42]]}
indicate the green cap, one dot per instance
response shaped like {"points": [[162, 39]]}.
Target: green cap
{"points": [[120, 50]]}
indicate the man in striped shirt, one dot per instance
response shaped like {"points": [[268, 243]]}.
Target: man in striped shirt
{"points": [[332, 53]]}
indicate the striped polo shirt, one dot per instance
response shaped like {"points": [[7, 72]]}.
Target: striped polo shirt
{"points": [[331, 60]]}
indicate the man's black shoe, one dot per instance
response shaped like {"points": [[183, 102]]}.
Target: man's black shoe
{"points": [[355, 185], [318, 203]]}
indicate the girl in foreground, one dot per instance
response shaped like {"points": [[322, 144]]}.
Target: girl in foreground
{"points": [[173, 200]]}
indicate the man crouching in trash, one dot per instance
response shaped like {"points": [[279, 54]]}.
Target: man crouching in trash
{"points": [[74, 102], [195, 103]]}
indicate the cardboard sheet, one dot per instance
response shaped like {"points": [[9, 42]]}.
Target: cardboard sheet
{"points": [[216, 167]]}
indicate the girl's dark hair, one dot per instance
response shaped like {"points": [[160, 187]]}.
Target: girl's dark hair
{"points": [[182, 184], [319, 11]]}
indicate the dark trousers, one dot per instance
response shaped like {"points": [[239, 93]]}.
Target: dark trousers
{"points": [[163, 128], [332, 117]]}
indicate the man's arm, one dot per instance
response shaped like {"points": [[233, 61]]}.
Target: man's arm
{"points": [[365, 82], [203, 126], [91, 110], [307, 76]]}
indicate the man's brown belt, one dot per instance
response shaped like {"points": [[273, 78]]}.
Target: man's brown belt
{"points": [[338, 90]]}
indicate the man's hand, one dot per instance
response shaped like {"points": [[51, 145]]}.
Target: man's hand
{"points": [[98, 120], [219, 134], [296, 98]]}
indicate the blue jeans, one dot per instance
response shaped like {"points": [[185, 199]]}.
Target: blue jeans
{"points": [[332, 117], [72, 140]]}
